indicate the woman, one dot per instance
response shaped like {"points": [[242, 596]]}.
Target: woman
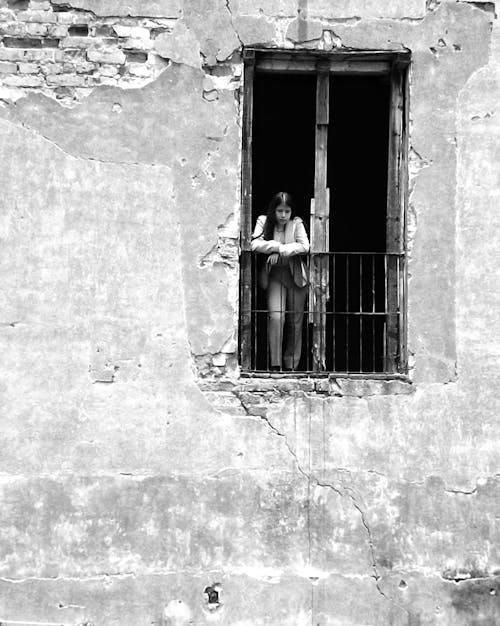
{"points": [[283, 238]]}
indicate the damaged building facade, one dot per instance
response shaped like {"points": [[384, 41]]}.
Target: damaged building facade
{"points": [[148, 475]]}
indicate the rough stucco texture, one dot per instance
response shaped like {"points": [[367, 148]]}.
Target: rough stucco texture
{"points": [[137, 468]]}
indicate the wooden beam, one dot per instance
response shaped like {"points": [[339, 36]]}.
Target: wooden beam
{"points": [[298, 66], [246, 216], [320, 222], [403, 273], [394, 221]]}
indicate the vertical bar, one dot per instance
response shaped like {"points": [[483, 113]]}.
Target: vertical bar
{"points": [[319, 221], [334, 314], [361, 312], [347, 313], [373, 312], [254, 314], [403, 364], [386, 316], [246, 215]]}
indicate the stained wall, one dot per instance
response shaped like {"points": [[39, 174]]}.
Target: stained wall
{"points": [[137, 466]]}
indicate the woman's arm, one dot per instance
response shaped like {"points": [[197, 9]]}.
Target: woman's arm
{"points": [[301, 243], [259, 244]]}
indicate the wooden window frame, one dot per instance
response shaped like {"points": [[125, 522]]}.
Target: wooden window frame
{"points": [[326, 65]]}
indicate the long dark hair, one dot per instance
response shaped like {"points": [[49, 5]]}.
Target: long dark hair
{"points": [[282, 197]]}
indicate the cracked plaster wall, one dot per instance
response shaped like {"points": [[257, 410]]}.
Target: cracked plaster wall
{"points": [[136, 467]]}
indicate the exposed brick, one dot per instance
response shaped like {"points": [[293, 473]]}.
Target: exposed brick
{"points": [[108, 70], [78, 30], [136, 32], [8, 54], [136, 56], [106, 56], [36, 30], [107, 80], [137, 44], [30, 42], [5, 16], [18, 54], [52, 68], [66, 80], [103, 30], [139, 69], [76, 42], [57, 30], [73, 18], [28, 68], [37, 16], [7, 68], [23, 81], [14, 28], [21, 42], [16, 5], [71, 54], [85, 67], [40, 5]]}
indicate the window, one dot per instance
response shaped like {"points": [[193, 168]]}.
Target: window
{"points": [[330, 129]]}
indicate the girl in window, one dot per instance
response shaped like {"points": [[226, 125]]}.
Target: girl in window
{"points": [[283, 238]]}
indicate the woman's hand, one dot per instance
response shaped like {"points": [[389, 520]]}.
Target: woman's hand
{"points": [[272, 259]]}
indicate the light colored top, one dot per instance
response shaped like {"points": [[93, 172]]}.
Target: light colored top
{"points": [[289, 243]]}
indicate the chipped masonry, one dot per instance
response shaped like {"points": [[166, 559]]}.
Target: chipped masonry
{"points": [[138, 468]]}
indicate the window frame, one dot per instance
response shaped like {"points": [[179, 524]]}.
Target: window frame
{"points": [[325, 65]]}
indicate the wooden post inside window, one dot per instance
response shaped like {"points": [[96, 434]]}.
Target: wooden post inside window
{"points": [[394, 221], [318, 292], [246, 225]]}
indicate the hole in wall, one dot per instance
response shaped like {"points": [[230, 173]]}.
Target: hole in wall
{"points": [[18, 5], [78, 30], [212, 596]]}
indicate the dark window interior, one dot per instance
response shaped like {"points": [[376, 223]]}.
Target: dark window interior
{"points": [[357, 162], [283, 140], [357, 178], [283, 159]]}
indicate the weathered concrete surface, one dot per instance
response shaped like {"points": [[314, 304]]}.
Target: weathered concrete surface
{"points": [[304, 30], [410, 9], [254, 30], [181, 46], [110, 126], [217, 36], [131, 478]]}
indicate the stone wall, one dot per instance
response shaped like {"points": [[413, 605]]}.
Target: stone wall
{"points": [[142, 480]]}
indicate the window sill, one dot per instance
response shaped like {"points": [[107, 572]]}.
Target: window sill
{"points": [[291, 383]]}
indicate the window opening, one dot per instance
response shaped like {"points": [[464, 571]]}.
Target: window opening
{"points": [[330, 130]]}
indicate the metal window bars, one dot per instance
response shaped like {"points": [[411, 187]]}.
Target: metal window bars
{"points": [[361, 327]]}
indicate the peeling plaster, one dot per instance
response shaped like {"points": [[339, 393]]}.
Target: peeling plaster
{"points": [[134, 8]]}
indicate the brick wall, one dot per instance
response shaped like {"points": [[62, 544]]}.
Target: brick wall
{"points": [[68, 51]]}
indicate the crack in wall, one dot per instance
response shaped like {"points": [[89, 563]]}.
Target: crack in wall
{"points": [[30, 623], [228, 7], [264, 574], [66, 6], [352, 498], [56, 145]]}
